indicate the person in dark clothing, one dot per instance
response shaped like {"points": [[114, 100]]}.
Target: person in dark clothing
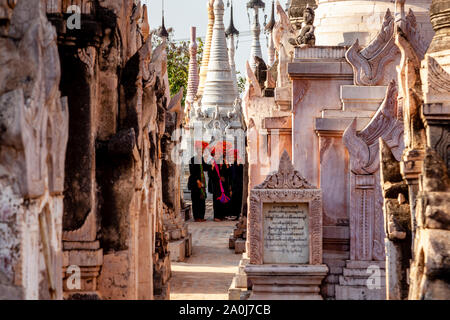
{"points": [[237, 185], [220, 208], [197, 185]]}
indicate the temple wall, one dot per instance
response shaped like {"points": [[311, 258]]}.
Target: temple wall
{"points": [[33, 138], [88, 222]]}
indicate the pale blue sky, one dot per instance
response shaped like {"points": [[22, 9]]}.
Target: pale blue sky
{"points": [[182, 14]]}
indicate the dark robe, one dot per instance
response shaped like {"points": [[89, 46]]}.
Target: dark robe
{"points": [[220, 209], [237, 185], [197, 196]]}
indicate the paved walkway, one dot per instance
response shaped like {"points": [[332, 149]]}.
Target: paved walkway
{"points": [[208, 273]]}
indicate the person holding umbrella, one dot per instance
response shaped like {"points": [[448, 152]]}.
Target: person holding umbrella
{"points": [[219, 182], [197, 183]]}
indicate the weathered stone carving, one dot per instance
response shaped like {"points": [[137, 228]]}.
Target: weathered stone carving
{"points": [[260, 71], [428, 136], [33, 137], [366, 219], [297, 9], [285, 185], [299, 88], [282, 32], [369, 63], [235, 117], [88, 56], [286, 177], [306, 37], [407, 24], [363, 147], [253, 83], [434, 78], [412, 49]]}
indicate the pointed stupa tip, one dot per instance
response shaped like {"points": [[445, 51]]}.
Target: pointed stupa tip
{"points": [[271, 24], [231, 30], [162, 31], [256, 4]]}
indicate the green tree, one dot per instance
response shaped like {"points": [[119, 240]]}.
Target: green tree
{"points": [[241, 82]]}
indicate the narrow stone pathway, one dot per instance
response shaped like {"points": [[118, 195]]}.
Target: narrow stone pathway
{"points": [[208, 273]]}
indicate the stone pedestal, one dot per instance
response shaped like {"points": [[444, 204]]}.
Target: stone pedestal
{"points": [[286, 282], [285, 237], [239, 284]]}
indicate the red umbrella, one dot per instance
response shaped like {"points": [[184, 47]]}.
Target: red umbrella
{"points": [[201, 144], [221, 147]]}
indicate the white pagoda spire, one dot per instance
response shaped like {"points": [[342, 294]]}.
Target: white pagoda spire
{"points": [[256, 31], [219, 91], [231, 32], [269, 29]]}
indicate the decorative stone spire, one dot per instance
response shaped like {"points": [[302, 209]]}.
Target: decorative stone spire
{"points": [[219, 91], [193, 70], [256, 31], [145, 27], [440, 20], [207, 48], [230, 33], [269, 29], [162, 32], [231, 30]]}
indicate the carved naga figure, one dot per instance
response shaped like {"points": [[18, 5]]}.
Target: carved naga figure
{"points": [[363, 146], [369, 63]]}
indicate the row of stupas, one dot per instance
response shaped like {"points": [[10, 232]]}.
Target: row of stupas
{"points": [[213, 101]]}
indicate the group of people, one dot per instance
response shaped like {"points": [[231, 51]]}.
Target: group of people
{"points": [[225, 183]]}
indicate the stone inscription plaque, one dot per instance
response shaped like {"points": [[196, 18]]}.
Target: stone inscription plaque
{"points": [[286, 233]]}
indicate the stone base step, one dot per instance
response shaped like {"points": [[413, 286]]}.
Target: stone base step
{"points": [[177, 250], [239, 246], [188, 244], [354, 264], [359, 293], [362, 273], [353, 281], [234, 293], [241, 281], [231, 241], [237, 293]]}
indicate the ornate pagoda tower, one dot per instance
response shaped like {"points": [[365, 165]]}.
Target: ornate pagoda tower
{"points": [[219, 94], [217, 113]]}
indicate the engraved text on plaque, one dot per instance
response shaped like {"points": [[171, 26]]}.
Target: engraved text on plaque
{"points": [[286, 233]]}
